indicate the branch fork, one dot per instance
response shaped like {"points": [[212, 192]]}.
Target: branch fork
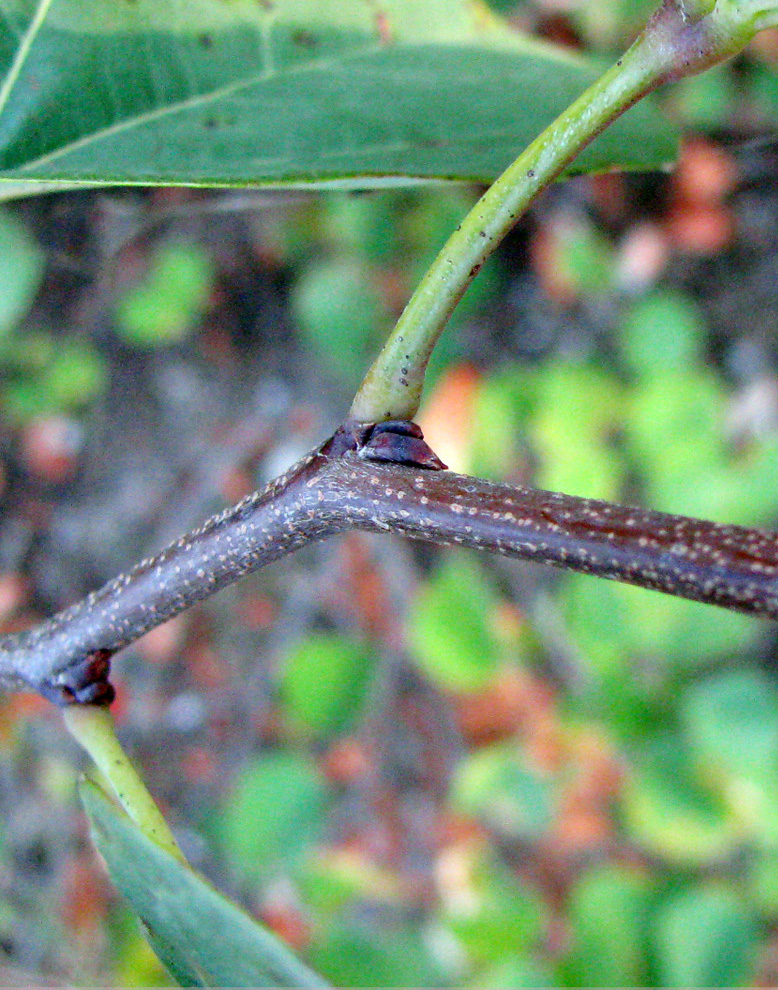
{"points": [[384, 478]]}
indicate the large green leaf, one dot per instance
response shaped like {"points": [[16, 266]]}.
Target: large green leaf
{"points": [[202, 938], [283, 91]]}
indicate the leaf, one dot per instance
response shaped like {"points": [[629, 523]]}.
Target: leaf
{"points": [[671, 813], [164, 306], [274, 811], [341, 316], [706, 937], [21, 271], [662, 333], [324, 682], [201, 937], [518, 972], [376, 955], [762, 878], [732, 721], [512, 798], [608, 914], [613, 623], [493, 915], [339, 877], [295, 92], [460, 655]]}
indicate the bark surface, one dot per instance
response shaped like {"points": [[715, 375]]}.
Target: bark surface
{"points": [[348, 484]]}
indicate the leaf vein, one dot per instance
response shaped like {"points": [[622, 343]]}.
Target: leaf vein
{"points": [[26, 43], [201, 99]]}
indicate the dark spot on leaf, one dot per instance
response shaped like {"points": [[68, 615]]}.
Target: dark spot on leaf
{"points": [[205, 40], [210, 123], [305, 39]]}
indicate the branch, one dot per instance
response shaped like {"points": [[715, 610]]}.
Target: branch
{"points": [[340, 486]]}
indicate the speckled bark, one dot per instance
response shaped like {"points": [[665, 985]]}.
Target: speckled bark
{"points": [[335, 489], [259, 529], [731, 566]]}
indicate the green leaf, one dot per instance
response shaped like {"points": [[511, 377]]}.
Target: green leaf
{"points": [[608, 914], [165, 305], [708, 101], [286, 91], [324, 682], [762, 879], [341, 316], [517, 972], [706, 937], [732, 721], [575, 398], [448, 626], [21, 271], [202, 938], [661, 333], [75, 375], [673, 814], [274, 811], [503, 404], [337, 878], [511, 797], [379, 955], [498, 916], [674, 425], [613, 623]]}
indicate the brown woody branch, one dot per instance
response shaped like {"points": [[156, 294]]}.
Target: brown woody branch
{"points": [[335, 488]]}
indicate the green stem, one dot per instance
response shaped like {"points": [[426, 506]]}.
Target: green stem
{"points": [[92, 726], [673, 44]]}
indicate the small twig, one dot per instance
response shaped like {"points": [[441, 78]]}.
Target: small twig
{"points": [[339, 487], [93, 728]]}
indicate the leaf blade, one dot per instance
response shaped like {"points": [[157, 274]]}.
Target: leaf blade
{"points": [[305, 94], [203, 938]]}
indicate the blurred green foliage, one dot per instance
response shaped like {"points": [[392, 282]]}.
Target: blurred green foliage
{"points": [[39, 374], [274, 812], [323, 684], [673, 687], [359, 258], [21, 271], [169, 300]]}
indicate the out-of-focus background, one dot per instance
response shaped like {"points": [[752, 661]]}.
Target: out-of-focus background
{"points": [[417, 766]]}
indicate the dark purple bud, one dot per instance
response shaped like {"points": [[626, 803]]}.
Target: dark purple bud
{"points": [[400, 442]]}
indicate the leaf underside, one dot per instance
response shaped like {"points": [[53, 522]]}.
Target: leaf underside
{"points": [[303, 93], [202, 938]]}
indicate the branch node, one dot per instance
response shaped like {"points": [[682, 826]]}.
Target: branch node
{"points": [[395, 441], [82, 683]]}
